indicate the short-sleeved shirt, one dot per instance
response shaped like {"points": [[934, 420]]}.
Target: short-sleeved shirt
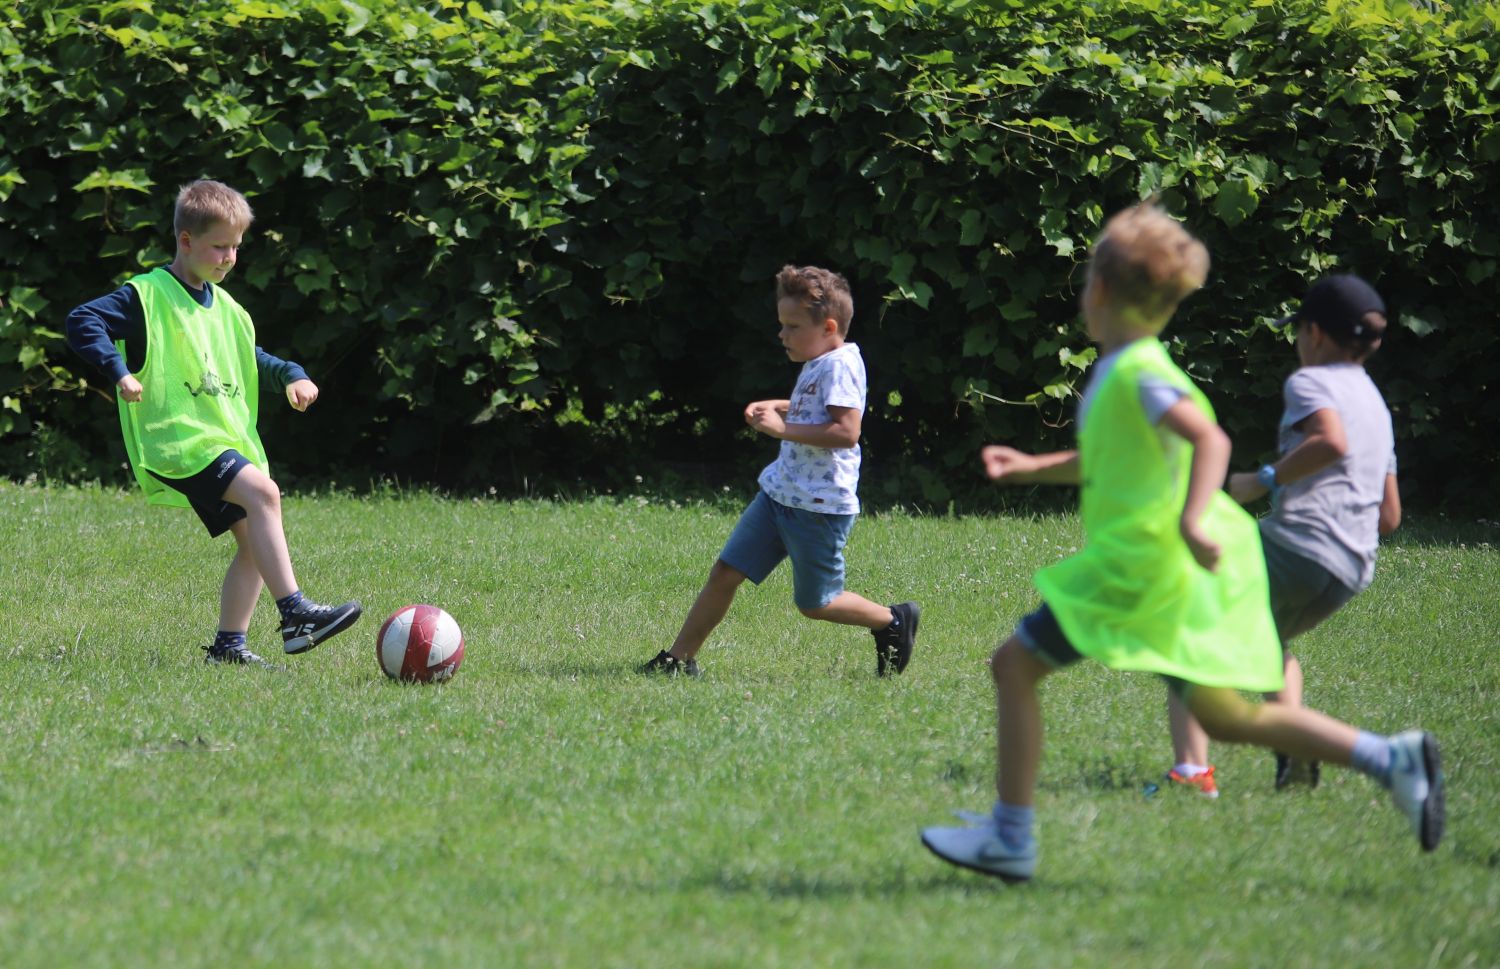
{"points": [[1156, 395], [820, 479], [1333, 516]]}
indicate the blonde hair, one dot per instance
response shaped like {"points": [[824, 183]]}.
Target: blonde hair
{"points": [[205, 202], [822, 292], [1148, 263]]}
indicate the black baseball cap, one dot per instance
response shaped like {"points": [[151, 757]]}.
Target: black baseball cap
{"points": [[1338, 305]]}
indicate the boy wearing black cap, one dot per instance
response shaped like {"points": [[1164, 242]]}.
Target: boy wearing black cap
{"points": [[1332, 487]]}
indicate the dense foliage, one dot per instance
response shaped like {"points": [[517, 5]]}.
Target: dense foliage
{"points": [[536, 238]]}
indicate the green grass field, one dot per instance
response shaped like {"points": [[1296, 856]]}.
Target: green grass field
{"points": [[550, 808]]}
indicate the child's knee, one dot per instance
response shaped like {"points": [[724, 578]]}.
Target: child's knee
{"points": [[256, 493], [723, 574], [1010, 661]]}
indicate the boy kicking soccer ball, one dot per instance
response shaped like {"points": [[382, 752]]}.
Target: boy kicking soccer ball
{"points": [[1171, 578], [807, 502], [182, 355]]}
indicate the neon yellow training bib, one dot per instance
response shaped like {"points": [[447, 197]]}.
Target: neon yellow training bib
{"points": [[200, 388], [1134, 598]]}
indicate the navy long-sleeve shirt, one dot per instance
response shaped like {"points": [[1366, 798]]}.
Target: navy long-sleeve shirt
{"points": [[94, 327]]}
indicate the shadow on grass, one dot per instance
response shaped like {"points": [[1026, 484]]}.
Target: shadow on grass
{"points": [[893, 884]]}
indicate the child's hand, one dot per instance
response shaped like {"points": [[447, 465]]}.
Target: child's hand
{"points": [[130, 388], [301, 393], [1000, 461], [1206, 551], [765, 419], [1245, 487]]}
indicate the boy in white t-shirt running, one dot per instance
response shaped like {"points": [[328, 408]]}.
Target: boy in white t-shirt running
{"points": [[808, 501], [1333, 494]]}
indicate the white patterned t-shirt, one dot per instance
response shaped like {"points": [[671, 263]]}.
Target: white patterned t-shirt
{"points": [[820, 479]]}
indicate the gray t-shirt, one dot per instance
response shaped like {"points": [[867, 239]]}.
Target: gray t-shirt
{"points": [[1333, 517]]}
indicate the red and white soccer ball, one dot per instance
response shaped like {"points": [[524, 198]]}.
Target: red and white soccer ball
{"points": [[420, 643]]}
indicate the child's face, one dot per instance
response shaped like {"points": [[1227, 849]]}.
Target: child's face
{"points": [[804, 338], [208, 256]]}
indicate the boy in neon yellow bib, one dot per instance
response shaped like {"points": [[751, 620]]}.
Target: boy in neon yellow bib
{"points": [[183, 358], [1171, 579]]}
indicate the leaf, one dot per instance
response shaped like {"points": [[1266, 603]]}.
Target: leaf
{"points": [[130, 179], [971, 228], [1235, 201]]}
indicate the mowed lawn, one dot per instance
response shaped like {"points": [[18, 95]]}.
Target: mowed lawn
{"points": [[549, 807]]}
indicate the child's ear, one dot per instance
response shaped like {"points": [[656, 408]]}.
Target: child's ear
{"points": [[830, 326]]}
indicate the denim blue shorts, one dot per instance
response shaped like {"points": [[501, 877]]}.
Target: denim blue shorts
{"points": [[769, 531]]}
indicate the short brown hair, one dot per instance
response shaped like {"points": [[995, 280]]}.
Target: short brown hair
{"points": [[202, 203], [822, 292], [1148, 262]]}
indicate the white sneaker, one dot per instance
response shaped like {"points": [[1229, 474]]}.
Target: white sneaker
{"points": [[1417, 784], [979, 848]]}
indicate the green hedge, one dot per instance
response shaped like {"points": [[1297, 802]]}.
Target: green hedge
{"points": [[537, 238]]}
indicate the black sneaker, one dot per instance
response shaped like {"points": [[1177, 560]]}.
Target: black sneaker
{"points": [[237, 653], [664, 662], [894, 643], [1290, 770], [311, 623]]}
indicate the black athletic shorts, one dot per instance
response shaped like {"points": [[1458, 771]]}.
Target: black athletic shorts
{"points": [[205, 491]]}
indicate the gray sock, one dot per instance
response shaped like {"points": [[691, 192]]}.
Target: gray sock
{"points": [[1014, 823], [1372, 756]]}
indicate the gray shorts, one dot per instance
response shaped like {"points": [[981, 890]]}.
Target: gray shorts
{"points": [[1303, 593]]}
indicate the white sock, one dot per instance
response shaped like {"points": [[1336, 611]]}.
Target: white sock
{"points": [[1190, 771]]}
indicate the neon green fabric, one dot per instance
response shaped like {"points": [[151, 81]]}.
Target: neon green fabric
{"points": [[200, 388], [1134, 598]]}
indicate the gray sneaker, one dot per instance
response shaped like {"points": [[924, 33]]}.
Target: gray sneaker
{"points": [[980, 849], [1417, 784]]}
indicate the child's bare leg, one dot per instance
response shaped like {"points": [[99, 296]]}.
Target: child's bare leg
{"points": [[1296, 731], [1291, 694], [708, 610], [1018, 736], [1189, 739], [254, 491], [242, 585], [851, 609]]}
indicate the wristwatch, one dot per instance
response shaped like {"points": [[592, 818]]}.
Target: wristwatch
{"points": [[1267, 476]]}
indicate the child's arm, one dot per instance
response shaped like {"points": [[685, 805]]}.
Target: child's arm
{"points": [[1211, 449], [754, 407], [93, 328], [1009, 466], [1323, 445], [1390, 506], [300, 391], [842, 431]]}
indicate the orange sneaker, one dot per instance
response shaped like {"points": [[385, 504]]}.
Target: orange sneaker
{"points": [[1203, 783]]}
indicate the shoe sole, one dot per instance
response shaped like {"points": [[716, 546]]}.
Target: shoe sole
{"points": [[1433, 808], [1006, 877], [304, 643]]}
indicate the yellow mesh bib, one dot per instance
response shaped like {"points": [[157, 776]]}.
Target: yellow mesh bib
{"points": [[1134, 598], [199, 384]]}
